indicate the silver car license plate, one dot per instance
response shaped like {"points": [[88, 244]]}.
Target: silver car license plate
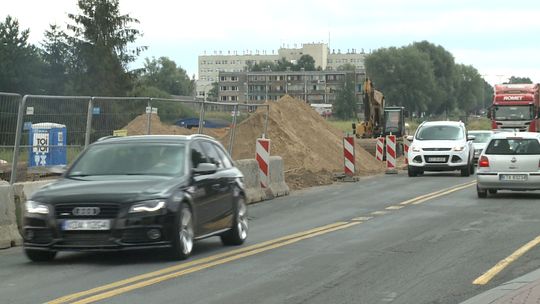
{"points": [[513, 177], [437, 159], [87, 225]]}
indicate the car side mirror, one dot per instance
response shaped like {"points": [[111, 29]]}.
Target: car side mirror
{"points": [[410, 138], [471, 137], [205, 168]]}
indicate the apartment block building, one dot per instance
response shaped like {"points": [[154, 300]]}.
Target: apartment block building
{"points": [[311, 86], [209, 66]]}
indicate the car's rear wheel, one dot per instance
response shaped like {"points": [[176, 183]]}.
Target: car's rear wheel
{"points": [[411, 171], [239, 231], [492, 191], [466, 171], [40, 255], [482, 193], [184, 233]]}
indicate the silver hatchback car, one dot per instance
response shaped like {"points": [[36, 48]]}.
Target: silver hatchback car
{"points": [[511, 161]]}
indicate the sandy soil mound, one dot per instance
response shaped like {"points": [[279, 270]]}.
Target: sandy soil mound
{"points": [[311, 148], [138, 127]]}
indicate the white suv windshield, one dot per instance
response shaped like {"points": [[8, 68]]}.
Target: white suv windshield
{"points": [[439, 133]]}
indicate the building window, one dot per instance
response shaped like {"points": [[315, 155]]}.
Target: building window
{"points": [[234, 98], [222, 78], [234, 88], [234, 78], [223, 98]]}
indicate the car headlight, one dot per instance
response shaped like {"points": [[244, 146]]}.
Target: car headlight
{"points": [[415, 149], [36, 208], [459, 148], [148, 206]]}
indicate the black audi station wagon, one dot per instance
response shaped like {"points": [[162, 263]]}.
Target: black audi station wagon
{"points": [[138, 192]]}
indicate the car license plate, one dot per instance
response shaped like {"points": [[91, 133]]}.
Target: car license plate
{"points": [[437, 159], [87, 225], [513, 177]]}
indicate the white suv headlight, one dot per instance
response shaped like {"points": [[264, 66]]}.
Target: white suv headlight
{"points": [[148, 206], [459, 148], [36, 208]]}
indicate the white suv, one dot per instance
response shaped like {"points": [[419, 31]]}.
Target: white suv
{"points": [[441, 146]]}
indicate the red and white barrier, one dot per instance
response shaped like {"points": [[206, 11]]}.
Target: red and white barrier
{"points": [[391, 154], [263, 159], [380, 148], [348, 155], [406, 145]]}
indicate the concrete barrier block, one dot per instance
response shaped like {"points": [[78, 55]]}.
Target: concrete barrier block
{"points": [[250, 169], [9, 232], [278, 186]]}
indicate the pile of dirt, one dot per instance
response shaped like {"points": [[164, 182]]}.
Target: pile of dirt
{"points": [[138, 126], [311, 148]]}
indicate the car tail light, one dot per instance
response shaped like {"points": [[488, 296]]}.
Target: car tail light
{"points": [[484, 162]]}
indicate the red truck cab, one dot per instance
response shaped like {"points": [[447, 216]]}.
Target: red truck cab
{"points": [[516, 106]]}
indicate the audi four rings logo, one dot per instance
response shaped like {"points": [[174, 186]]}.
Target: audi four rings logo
{"points": [[85, 211]]}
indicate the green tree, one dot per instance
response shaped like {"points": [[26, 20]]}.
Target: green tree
{"points": [[345, 106], [515, 79], [443, 64], [404, 75], [56, 54], [101, 39], [305, 62], [347, 67], [165, 75], [21, 67], [214, 92], [469, 88]]}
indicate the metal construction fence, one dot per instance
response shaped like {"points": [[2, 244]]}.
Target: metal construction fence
{"points": [[39, 133]]}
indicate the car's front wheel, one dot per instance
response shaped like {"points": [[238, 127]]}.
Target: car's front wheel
{"points": [[466, 171], [482, 193], [411, 171], [239, 231], [40, 255], [183, 237]]}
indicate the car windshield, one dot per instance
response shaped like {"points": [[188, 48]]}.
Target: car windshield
{"points": [[513, 146], [440, 133], [513, 113], [131, 159], [480, 137]]}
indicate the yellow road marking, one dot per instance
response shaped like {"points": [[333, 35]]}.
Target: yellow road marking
{"points": [[443, 193], [429, 195], [486, 277], [81, 294], [379, 212], [394, 207], [362, 218], [169, 276]]}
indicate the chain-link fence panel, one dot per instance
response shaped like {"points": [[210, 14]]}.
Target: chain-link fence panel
{"points": [[251, 122], [118, 116], [51, 132], [9, 107], [174, 117]]}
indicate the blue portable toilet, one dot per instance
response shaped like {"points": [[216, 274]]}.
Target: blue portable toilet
{"points": [[47, 143]]}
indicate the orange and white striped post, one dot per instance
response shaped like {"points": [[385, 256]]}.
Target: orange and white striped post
{"points": [[406, 145], [391, 154], [263, 159], [348, 155], [379, 148]]}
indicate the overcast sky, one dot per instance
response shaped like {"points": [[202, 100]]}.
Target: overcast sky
{"points": [[499, 38]]}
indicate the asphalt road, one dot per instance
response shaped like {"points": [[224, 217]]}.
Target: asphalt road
{"points": [[381, 240]]}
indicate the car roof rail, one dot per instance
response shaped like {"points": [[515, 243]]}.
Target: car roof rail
{"points": [[106, 137], [201, 136]]}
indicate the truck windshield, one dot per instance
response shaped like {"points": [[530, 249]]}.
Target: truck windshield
{"points": [[392, 121], [513, 113]]}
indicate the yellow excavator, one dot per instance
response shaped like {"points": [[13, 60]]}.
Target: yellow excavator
{"points": [[379, 119]]}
